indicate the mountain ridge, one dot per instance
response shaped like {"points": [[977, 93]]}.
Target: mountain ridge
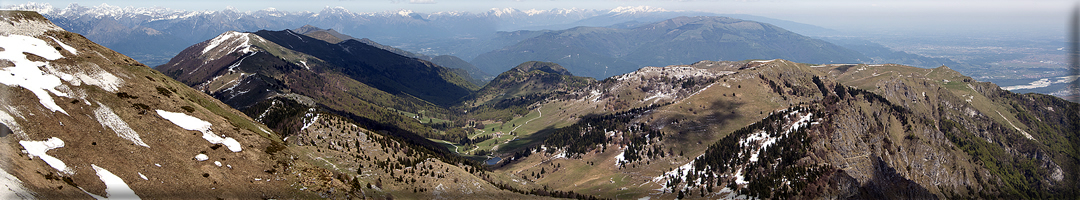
{"points": [[471, 73], [602, 52], [173, 30], [709, 129], [81, 121], [739, 129]]}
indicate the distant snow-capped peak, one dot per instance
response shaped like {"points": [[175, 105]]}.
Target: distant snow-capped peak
{"points": [[501, 12], [636, 9], [106, 10], [334, 10], [405, 13], [42, 8], [160, 13]]}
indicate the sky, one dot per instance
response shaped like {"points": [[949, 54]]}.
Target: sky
{"points": [[998, 16]]}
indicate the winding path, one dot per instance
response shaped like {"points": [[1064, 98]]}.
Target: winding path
{"points": [[527, 122], [519, 126]]}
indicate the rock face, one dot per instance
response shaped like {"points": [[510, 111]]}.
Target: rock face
{"points": [[83, 121]]}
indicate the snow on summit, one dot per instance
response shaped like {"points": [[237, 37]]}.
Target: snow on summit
{"points": [[636, 9], [232, 41]]}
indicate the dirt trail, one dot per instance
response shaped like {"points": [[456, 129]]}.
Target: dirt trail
{"points": [[493, 148]]}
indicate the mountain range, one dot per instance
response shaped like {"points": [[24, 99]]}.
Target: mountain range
{"points": [[439, 33], [466, 69], [738, 129], [372, 84], [290, 115], [603, 52], [154, 35], [81, 121]]}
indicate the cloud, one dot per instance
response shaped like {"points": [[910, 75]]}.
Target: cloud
{"points": [[422, 1]]}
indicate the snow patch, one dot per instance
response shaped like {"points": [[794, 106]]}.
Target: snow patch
{"points": [[620, 158], [191, 123], [106, 117], [680, 173], [227, 36], [88, 73], [65, 46], [310, 119], [305, 65], [755, 142], [658, 96], [230, 142], [38, 149], [201, 157], [42, 76], [28, 74], [185, 121], [12, 188], [142, 176], [595, 95], [559, 153], [1022, 132], [739, 179], [115, 188], [766, 140], [10, 122], [27, 27]]}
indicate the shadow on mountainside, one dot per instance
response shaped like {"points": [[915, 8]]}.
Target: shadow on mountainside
{"points": [[888, 184], [693, 128]]}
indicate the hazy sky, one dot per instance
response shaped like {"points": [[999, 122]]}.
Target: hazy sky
{"points": [[1026, 16]]}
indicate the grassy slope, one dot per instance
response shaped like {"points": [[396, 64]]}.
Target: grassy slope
{"points": [[596, 173]]}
